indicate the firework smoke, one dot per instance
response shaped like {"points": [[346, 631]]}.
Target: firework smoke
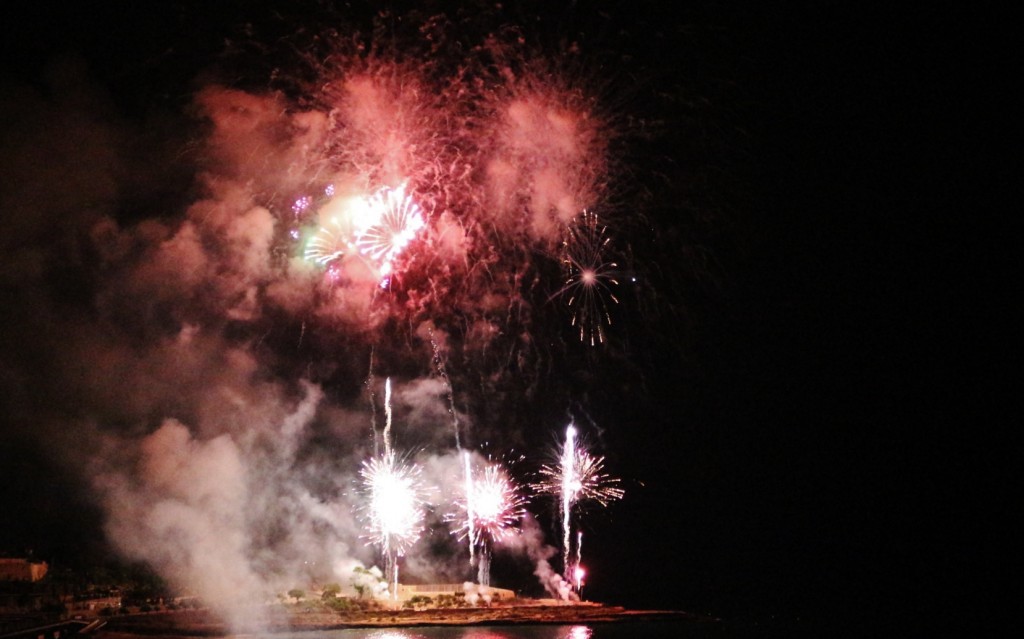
{"points": [[208, 356]]}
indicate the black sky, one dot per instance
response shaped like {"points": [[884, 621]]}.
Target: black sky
{"points": [[822, 431]]}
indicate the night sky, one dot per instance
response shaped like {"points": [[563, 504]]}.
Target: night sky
{"points": [[803, 391]]}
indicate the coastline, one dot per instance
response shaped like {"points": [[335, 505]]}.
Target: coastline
{"points": [[170, 625]]}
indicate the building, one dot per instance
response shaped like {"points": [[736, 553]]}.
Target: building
{"points": [[407, 591], [16, 569]]}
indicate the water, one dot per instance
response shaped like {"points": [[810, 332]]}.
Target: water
{"points": [[620, 630]]}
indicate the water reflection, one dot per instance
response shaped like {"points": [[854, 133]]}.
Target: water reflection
{"points": [[482, 633], [512, 631], [526, 632], [580, 632], [393, 633]]}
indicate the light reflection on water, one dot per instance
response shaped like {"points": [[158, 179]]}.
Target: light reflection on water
{"points": [[580, 632], [392, 633], [513, 631], [451, 632]]}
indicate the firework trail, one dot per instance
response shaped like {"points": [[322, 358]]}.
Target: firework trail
{"points": [[439, 364], [397, 220], [368, 385], [577, 571], [329, 244], [569, 488], [470, 522], [387, 417], [578, 477]]}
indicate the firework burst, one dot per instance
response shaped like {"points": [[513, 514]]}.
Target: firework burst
{"points": [[396, 218], [578, 476], [589, 277], [492, 504], [377, 228], [395, 503], [329, 244], [491, 508]]}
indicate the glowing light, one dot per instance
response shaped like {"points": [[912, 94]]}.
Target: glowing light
{"points": [[580, 632], [328, 245], [301, 204], [378, 228], [470, 527], [395, 512], [579, 477], [396, 220], [589, 278], [491, 507]]}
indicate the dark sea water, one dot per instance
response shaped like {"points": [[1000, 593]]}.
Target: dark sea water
{"points": [[621, 630]]}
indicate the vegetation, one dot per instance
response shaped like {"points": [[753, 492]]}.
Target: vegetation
{"points": [[341, 604], [455, 600], [418, 602]]}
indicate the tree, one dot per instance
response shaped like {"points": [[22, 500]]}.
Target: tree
{"points": [[297, 594], [331, 591]]}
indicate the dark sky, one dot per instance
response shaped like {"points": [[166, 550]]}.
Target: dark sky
{"points": [[805, 402]]}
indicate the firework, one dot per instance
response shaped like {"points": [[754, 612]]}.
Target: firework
{"points": [[589, 278], [395, 507], [578, 477], [488, 512], [377, 228], [395, 220], [329, 244], [395, 502], [492, 506], [460, 158]]}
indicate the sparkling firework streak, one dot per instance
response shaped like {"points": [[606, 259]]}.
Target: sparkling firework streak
{"points": [[396, 503], [470, 527], [387, 417], [329, 244], [395, 507], [493, 504], [396, 219], [589, 278], [377, 228], [577, 478], [577, 570]]}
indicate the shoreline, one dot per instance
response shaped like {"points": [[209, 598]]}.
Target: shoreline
{"points": [[202, 624]]}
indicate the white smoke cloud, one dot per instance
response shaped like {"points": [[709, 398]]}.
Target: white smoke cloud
{"points": [[530, 541], [228, 516]]}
